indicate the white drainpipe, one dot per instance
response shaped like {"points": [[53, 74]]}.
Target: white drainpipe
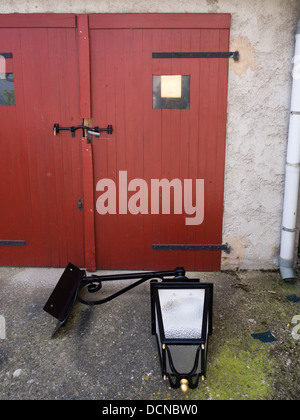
{"points": [[292, 177]]}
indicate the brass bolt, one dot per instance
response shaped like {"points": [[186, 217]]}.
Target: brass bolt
{"points": [[184, 385]]}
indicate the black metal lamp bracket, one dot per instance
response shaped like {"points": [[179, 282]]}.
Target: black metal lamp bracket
{"points": [[74, 280], [94, 283]]}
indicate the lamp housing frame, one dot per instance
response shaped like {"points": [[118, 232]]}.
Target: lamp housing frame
{"points": [[165, 344]]}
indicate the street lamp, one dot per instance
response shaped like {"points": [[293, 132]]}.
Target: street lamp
{"points": [[181, 311], [182, 322]]}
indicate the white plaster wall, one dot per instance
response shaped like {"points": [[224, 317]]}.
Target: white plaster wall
{"points": [[258, 110]]}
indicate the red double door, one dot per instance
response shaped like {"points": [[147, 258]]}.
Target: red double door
{"points": [[134, 199]]}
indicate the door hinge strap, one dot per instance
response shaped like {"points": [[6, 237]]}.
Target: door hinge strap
{"points": [[224, 247], [12, 243], [235, 55]]}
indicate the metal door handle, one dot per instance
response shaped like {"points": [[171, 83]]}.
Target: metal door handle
{"points": [[94, 133], [90, 135]]}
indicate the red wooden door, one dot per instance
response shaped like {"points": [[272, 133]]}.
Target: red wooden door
{"points": [[157, 180], [40, 175], [158, 136]]}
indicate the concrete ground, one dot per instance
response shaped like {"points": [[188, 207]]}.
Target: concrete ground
{"points": [[108, 353]]}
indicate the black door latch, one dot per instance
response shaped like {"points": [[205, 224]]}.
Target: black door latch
{"points": [[80, 204], [93, 131]]}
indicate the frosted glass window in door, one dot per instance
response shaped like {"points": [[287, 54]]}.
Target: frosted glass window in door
{"points": [[171, 92]]}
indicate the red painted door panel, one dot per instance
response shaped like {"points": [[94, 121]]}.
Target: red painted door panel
{"points": [[154, 144], [40, 175]]}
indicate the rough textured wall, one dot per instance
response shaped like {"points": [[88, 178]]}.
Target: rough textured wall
{"points": [[258, 110], [258, 115]]}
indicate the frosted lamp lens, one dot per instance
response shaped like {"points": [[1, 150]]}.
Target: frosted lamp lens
{"points": [[182, 312]]}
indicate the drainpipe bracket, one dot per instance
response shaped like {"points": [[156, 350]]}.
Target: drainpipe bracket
{"points": [[289, 230]]}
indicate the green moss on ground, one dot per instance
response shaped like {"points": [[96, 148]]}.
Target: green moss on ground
{"points": [[239, 371]]}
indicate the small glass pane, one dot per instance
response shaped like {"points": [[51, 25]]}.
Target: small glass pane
{"points": [[182, 312], [171, 86], [7, 89], [171, 92], [183, 358]]}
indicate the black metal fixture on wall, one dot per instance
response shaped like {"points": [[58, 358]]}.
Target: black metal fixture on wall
{"points": [[181, 310]]}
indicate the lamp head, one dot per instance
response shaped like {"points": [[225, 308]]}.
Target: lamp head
{"points": [[182, 322]]}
